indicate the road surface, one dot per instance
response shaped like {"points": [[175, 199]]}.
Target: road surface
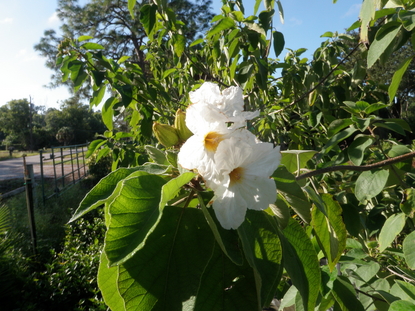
{"points": [[14, 168]]}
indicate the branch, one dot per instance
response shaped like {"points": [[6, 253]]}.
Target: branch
{"points": [[357, 168]]}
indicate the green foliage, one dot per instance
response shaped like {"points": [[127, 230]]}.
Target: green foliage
{"points": [[340, 229]]}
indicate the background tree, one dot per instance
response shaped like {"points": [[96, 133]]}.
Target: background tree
{"points": [[110, 24], [17, 119], [65, 135]]}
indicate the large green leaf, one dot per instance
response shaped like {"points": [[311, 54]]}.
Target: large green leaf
{"points": [[223, 24], [226, 286], [392, 227], [356, 150], [407, 290], [136, 211], [402, 305], [279, 42], [107, 283], [148, 18], [300, 261], [369, 184], [262, 248], [330, 230], [384, 38], [334, 140], [367, 13], [337, 125], [288, 187], [409, 249], [105, 189], [294, 160], [167, 271], [397, 77], [345, 295]]}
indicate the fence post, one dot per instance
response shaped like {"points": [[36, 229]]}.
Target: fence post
{"points": [[42, 178], [28, 173]]}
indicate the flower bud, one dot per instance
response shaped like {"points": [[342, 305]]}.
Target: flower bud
{"points": [[165, 134], [180, 125]]}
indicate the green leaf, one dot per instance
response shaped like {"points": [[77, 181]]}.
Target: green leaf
{"points": [[374, 107], [136, 212], [179, 43], [327, 34], [330, 230], [407, 288], [392, 227], [279, 42], [256, 6], [334, 140], [101, 191], [300, 261], [294, 160], [83, 38], [156, 155], [108, 112], [367, 13], [131, 4], [391, 125], [407, 205], [369, 184], [338, 125], [281, 11], [397, 77], [356, 150], [402, 305], [167, 271], [223, 283], [92, 46], [108, 284], [288, 187], [223, 24], [148, 18], [384, 38], [345, 295], [409, 250], [262, 248]]}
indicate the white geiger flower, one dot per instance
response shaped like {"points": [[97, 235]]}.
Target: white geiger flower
{"points": [[233, 163], [243, 179]]}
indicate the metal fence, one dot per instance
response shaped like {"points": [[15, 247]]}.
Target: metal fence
{"points": [[69, 167]]}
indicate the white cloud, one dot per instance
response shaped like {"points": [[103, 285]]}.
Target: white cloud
{"points": [[7, 20], [353, 10], [53, 19], [295, 21]]}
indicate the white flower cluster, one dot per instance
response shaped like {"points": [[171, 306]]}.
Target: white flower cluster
{"points": [[233, 163]]}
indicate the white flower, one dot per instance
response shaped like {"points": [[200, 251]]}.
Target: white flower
{"points": [[243, 179], [229, 103]]}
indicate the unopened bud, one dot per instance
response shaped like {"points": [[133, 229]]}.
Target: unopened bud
{"points": [[165, 134], [180, 125]]}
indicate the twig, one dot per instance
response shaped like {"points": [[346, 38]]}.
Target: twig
{"points": [[357, 168]]}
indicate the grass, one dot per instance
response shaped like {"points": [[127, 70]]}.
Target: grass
{"points": [[5, 155]]}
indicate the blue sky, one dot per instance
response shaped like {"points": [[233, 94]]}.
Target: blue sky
{"points": [[22, 23]]}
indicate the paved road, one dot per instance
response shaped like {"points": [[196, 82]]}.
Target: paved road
{"points": [[14, 168]]}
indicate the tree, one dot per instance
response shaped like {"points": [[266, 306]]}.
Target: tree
{"points": [[85, 123], [65, 135], [111, 25], [344, 193], [18, 118]]}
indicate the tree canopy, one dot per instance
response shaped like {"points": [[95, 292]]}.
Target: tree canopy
{"points": [[111, 25]]}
